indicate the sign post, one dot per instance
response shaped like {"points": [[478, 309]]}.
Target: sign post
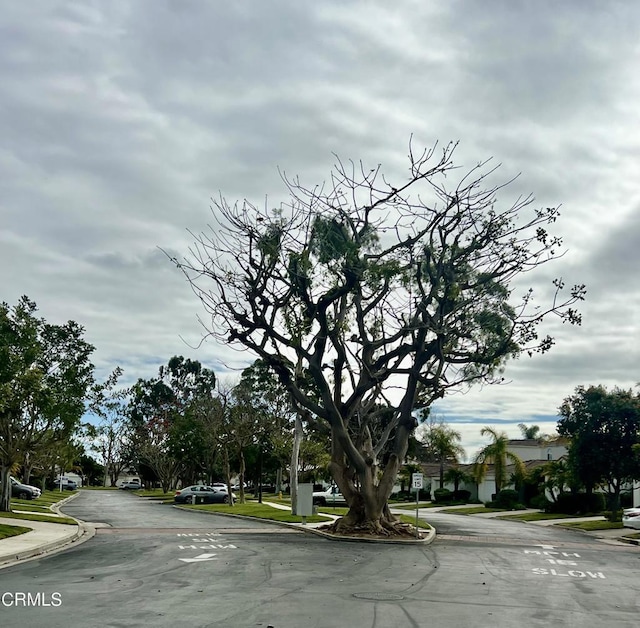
{"points": [[416, 483]]}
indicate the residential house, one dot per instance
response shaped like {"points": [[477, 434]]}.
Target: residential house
{"points": [[533, 452]]}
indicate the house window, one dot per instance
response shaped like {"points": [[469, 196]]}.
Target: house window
{"points": [[549, 456]]}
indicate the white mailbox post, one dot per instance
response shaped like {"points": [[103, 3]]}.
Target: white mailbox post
{"points": [[305, 501]]}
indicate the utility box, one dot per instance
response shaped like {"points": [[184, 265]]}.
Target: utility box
{"points": [[305, 500]]}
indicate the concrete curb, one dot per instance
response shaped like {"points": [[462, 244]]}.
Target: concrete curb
{"points": [[428, 539], [84, 531]]}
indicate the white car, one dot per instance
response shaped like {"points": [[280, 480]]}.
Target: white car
{"points": [[631, 518], [329, 497]]}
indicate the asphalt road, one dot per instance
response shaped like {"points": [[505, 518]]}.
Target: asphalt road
{"points": [[159, 566]]}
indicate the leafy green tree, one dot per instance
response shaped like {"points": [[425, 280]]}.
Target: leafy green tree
{"points": [[559, 478], [167, 438], [497, 453], [45, 375], [604, 427], [274, 416], [91, 471], [369, 290]]}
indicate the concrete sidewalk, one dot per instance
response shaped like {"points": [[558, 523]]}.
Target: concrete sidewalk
{"points": [[44, 538]]}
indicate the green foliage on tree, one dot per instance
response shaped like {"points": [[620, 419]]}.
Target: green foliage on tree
{"points": [[168, 437], [443, 443], [373, 291], [456, 476], [497, 454], [45, 376], [529, 432], [604, 428]]}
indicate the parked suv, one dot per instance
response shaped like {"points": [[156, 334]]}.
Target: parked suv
{"points": [[133, 485], [24, 491], [67, 485]]}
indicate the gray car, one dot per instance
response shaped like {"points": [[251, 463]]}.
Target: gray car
{"points": [[23, 491], [202, 495]]}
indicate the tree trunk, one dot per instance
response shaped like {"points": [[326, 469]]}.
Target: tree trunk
{"points": [[227, 474], [241, 474], [367, 498], [5, 489], [27, 467]]}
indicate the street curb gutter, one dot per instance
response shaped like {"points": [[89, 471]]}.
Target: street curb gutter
{"points": [[428, 539], [84, 532]]}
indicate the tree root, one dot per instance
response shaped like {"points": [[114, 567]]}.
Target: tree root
{"points": [[379, 529]]}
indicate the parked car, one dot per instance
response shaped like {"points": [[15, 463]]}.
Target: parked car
{"points": [[329, 497], [631, 518], [132, 485], [67, 485], [202, 495], [23, 491]]}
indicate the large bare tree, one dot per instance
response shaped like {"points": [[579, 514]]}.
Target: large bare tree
{"points": [[384, 296]]}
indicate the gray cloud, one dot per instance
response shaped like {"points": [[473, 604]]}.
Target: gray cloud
{"points": [[120, 120]]}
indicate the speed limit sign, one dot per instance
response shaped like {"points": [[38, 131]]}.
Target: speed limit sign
{"points": [[416, 480]]}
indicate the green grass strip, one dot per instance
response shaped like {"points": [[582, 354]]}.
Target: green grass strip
{"points": [[7, 531], [476, 510], [412, 506], [36, 517], [157, 493], [260, 511], [591, 526], [536, 516]]}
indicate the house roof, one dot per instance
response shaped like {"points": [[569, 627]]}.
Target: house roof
{"points": [[559, 441]]}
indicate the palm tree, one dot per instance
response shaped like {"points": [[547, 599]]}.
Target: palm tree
{"points": [[444, 444], [456, 475], [496, 453], [530, 432]]}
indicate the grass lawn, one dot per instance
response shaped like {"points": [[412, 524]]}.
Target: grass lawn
{"points": [[262, 511], [157, 493], [412, 505], [536, 516], [259, 511], [37, 517], [590, 526], [473, 510], [42, 504], [7, 531], [635, 535]]}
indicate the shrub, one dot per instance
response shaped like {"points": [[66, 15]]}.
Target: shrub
{"points": [[461, 495], [442, 495], [615, 516], [507, 498], [541, 503], [578, 503], [626, 499]]}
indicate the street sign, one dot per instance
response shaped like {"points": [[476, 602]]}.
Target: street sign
{"points": [[416, 480]]}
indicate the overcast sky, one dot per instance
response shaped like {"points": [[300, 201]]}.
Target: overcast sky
{"points": [[120, 120]]}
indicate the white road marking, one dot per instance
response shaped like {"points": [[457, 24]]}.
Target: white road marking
{"points": [[199, 559]]}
